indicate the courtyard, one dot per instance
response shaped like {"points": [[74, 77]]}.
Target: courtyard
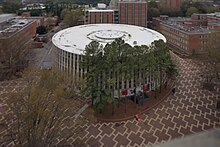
{"points": [[190, 110]]}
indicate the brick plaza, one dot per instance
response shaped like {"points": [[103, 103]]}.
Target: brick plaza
{"points": [[191, 110]]}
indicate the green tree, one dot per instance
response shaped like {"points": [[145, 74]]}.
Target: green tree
{"points": [[185, 5], [41, 30], [152, 12], [202, 7], [120, 52], [141, 67], [1, 11], [72, 17], [92, 62], [117, 63], [10, 7], [163, 59], [152, 4], [111, 66], [191, 10], [116, 56], [106, 70]]}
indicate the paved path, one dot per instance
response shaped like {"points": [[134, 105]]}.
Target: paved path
{"points": [[190, 110], [5, 111]]}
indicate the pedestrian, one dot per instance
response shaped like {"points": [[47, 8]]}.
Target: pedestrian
{"points": [[134, 90], [166, 84], [173, 90]]}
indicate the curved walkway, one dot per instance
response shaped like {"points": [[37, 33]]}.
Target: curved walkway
{"points": [[190, 110]]}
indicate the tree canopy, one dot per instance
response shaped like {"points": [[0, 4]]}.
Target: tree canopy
{"points": [[152, 12], [191, 10], [41, 108], [41, 30], [10, 7], [110, 66], [71, 17]]}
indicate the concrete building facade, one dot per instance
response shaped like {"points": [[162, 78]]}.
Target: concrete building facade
{"points": [[69, 45]]}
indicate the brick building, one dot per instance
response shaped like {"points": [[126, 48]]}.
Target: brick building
{"points": [[133, 12], [15, 40], [95, 16], [188, 35], [173, 5], [27, 15], [100, 14]]}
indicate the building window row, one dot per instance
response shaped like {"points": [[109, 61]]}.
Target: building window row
{"points": [[203, 42], [180, 45], [175, 37], [178, 32], [203, 36]]}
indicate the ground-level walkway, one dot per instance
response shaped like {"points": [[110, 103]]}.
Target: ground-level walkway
{"points": [[191, 110]]}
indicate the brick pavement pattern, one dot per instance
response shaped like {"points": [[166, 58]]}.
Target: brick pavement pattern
{"points": [[5, 112], [190, 110]]}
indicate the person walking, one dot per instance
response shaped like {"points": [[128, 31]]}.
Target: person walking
{"points": [[173, 90]]}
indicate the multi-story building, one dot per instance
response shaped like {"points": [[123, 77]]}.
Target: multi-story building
{"points": [[5, 17], [173, 5], [95, 16], [133, 12], [69, 45], [188, 35], [27, 15], [100, 14], [15, 40]]}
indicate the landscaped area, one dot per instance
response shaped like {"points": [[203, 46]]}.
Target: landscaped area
{"points": [[132, 110], [124, 81], [109, 73], [190, 110]]}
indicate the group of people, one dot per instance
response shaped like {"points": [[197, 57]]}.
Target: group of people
{"points": [[140, 90]]}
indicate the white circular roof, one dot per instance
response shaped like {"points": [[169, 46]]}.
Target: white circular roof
{"points": [[75, 39]]}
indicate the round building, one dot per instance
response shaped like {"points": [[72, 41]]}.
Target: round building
{"points": [[69, 44]]}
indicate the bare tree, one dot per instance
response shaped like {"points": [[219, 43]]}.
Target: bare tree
{"points": [[72, 17], [41, 109], [213, 56]]}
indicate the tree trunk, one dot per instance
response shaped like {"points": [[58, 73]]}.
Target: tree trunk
{"points": [[92, 101], [161, 79], [135, 100], [125, 105], [118, 89], [112, 109], [155, 92]]}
